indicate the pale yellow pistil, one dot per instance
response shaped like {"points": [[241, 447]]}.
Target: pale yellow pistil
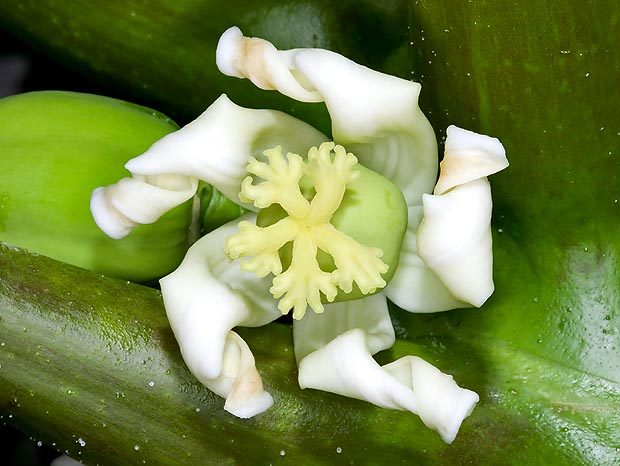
{"points": [[307, 226]]}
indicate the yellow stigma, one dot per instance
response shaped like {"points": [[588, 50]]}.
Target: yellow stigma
{"points": [[307, 226]]}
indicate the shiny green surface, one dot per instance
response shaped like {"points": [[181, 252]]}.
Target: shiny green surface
{"points": [[162, 52], [542, 79], [56, 147], [96, 372], [543, 353]]}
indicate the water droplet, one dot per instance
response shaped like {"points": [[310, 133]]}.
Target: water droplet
{"points": [[607, 317], [282, 453], [70, 392], [136, 447], [587, 75], [536, 299], [197, 410], [338, 450], [39, 443], [81, 442], [151, 384], [539, 340]]}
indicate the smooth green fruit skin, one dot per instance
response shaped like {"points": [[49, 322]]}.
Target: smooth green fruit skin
{"points": [[373, 212], [56, 147]]}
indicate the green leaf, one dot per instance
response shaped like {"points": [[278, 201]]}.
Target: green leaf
{"points": [[175, 41], [543, 352], [541, 78]]}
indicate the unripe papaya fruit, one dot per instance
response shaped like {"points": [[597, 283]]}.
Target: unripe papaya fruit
{"points": [[55, 148]]}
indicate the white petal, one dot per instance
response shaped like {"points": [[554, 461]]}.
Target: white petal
{"points": [[122, 206], [335, 350], [454, 240], [346, 367], [239, 382], [374, 115], [442, 404], [266, 69], [205, 298], [214, 148], [414, 286], [370, 313], [217, 145], [469, 156]]}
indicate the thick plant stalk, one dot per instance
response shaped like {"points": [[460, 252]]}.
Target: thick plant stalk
{"points": [[94, 371]]}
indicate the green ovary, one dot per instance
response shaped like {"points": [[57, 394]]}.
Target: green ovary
{"points": [[328, 228]]}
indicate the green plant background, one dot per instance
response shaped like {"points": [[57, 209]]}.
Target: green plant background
{"points": [[543, 353]]}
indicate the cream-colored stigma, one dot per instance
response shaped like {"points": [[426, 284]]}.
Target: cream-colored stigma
{"points": [[307, 226]]}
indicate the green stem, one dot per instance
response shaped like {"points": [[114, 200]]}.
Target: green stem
{"points": [[94, 370]]}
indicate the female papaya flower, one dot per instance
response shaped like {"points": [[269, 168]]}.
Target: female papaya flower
{"points": [[339, 231]]}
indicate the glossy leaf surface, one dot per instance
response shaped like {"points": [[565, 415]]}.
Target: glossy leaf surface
{"points": [[162, 52]]}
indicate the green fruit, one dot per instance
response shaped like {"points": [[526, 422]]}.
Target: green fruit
{"points": [[56, 147]]}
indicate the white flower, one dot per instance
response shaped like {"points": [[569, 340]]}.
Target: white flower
{"points": [[445, 259]]}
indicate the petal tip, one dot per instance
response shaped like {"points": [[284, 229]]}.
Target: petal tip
{"points": [[107, 218], [227, 50]]}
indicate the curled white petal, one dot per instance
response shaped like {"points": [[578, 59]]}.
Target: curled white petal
{"points": [[122, 206], [469, 156], [258, 60], [205, 298], [217, 146], [374, 115], [315, 331], [214, 148], [334, 352], [345, 367], [415, 287], [454, 238], [239, 382], [442, 404]]}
